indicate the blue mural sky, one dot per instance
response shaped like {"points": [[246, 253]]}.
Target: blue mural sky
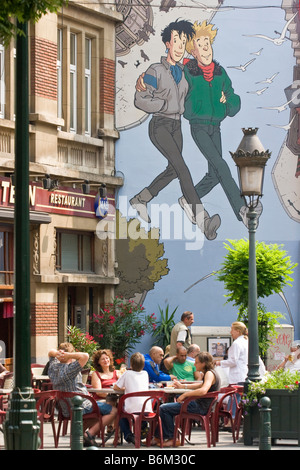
{"points": [[140, 162]]}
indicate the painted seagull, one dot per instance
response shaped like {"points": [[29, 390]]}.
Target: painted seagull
{"points": [[270, 79], [276, 41], [286, 127], [257, 53], [281, 108], [258, 92], [241, 67]]}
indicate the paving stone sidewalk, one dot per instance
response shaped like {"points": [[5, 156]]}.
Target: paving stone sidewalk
{"points": [[198, 442]]}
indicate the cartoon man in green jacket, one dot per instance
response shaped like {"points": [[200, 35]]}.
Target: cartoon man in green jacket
{"points": [[210, 99]]}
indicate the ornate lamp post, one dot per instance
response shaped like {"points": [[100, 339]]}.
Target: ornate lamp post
{"points": [[251, 159]]}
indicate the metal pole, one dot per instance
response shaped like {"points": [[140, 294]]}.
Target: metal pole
{"points": [[253, 358], [21, 427]]}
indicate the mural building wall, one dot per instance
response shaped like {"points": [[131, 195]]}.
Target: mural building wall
{"points": [[182, 101]]}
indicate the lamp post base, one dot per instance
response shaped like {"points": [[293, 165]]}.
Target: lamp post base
{"points": [[21, 427]]}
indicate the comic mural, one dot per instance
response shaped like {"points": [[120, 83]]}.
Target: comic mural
{"points": [[190, 76]]}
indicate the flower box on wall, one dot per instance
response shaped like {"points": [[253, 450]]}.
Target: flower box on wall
{"points": [[285, 416]]}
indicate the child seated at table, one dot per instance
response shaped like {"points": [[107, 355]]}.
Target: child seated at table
{"points": [[134, 379]]}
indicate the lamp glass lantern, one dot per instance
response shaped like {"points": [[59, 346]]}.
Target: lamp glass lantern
{"points": [[251, 159]]}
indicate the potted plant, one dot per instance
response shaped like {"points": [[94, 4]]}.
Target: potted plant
{"points": [[162, 333], [120, 326], [282, 388], [82, 342]]}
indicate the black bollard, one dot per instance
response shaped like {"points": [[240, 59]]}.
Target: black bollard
{"points": [[265, 424], [76, 426]]}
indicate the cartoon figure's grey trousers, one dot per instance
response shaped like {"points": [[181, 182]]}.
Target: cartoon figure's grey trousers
{"points": [[166, 135], [208, 140]]}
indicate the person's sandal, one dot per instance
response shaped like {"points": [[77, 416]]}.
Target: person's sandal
{"points": [[89, 440], [109, 435]]}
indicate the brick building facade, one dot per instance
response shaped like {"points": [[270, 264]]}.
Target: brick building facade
{"points": [[72, 155]]}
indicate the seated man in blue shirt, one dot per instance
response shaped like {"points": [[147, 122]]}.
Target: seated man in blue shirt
{"points": [[152, 361]]}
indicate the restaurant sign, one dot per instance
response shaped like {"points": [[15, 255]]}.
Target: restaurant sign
{"points": [[64, 201]]}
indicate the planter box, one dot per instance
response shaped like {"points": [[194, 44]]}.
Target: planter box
{"points": [[285, 417]]}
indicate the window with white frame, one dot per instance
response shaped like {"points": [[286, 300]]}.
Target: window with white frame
{"points": [[2, 82], [59, 73], [87, 84], [73, 82]]}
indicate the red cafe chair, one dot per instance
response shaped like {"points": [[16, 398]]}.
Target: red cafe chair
{"points": [[2, 411], [185, 419], [239, 410], [224, 409], [65, 413], [45, 405], [136, 419]]}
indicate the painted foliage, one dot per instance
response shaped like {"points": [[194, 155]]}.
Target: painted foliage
{"points": [[190, 76]]}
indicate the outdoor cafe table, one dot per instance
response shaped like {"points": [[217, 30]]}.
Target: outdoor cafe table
{"points": [[39, 379], [168, 390], [105, 391]]}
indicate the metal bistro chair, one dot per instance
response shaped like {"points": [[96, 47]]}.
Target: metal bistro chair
{"points": [[136, 419], [64, 405], [184, 419]]}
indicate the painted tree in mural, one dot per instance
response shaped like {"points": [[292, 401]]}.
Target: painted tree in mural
{"points": [[23, 11], [139, 255]]}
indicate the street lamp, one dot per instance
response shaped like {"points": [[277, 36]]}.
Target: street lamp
{"points": [[251, 159], [21, 427]]}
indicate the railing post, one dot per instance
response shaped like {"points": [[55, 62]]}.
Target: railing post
{"points": [[265, 424]]}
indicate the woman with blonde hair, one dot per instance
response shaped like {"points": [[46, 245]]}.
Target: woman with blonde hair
{"points": [[237, 362]]}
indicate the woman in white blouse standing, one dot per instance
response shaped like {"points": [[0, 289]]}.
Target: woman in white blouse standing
{"points": [[237, 361]]}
